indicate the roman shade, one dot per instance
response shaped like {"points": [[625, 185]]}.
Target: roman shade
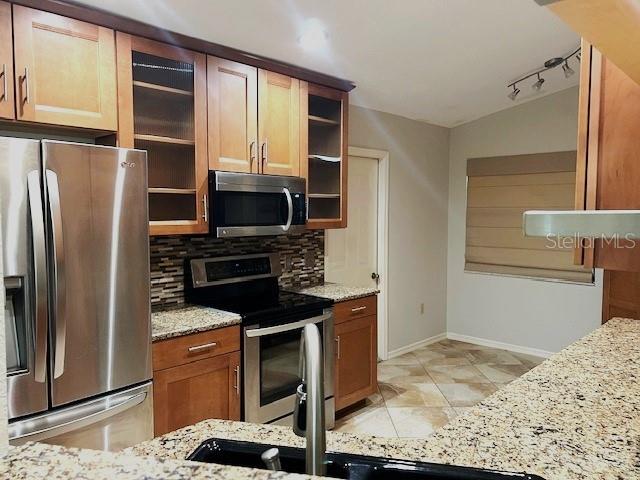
{"points": [[499, 190]]}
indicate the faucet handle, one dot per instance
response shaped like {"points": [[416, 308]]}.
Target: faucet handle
{"points": [[300, 411], [271, 459]]}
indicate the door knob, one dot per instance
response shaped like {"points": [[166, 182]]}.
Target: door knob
{"points": [[375, 276]]}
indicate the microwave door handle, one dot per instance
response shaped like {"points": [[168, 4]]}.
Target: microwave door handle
{"points": [[59, 289], [287, 194], [40, 275], [287, 327]]}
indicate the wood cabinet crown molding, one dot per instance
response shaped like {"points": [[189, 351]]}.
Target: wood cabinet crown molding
{"points": [[116, 22]]}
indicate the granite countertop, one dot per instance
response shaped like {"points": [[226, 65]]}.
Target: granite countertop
{"points": [[575, 416], [338, 292], [37, 461], [189, 319]]}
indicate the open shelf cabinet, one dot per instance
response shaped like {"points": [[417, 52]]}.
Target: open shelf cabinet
{"points": [[162, 109], [324, 120]]}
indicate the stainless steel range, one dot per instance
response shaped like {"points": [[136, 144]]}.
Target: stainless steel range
{"points": [[272, 323]]}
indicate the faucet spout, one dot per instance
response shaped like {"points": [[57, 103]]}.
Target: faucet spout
{"points": [[310, 400]]}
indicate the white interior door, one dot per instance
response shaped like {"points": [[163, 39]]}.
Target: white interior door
{"points": [[351, 254]]}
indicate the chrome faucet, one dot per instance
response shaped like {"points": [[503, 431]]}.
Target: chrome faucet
{"points": [[308, 415]]}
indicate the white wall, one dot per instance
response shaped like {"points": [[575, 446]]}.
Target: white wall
{"points": [[418, 184], [528, 313], [3, 376]]}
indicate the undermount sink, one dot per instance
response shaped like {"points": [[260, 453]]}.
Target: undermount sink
{"points": [[341, 465]]}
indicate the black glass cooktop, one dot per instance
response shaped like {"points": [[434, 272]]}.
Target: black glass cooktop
{"points": [[270, 309]]}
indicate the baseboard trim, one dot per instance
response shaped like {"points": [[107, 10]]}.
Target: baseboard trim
{"points": [[413, 346], [504, 346]]}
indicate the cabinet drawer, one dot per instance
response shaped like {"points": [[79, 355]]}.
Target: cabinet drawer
{"points": [[181, 350], [350, 309]]}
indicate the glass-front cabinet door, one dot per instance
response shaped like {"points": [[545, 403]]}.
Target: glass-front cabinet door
{"points": [[162, 102], [324, 154]]}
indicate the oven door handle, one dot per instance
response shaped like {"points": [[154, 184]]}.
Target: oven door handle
{"points": [[261, 332], [287, 194]]}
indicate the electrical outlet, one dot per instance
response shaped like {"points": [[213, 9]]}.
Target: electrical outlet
{"points": [[422, 309], [288, 262]]}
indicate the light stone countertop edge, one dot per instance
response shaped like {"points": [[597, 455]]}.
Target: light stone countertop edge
{"points": [[188, 320]]}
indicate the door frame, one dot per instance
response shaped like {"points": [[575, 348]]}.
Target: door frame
{"points": [[382, 157]]}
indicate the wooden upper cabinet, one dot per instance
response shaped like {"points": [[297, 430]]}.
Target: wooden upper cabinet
{"points": [[232, 90], [162, 109], [608, 170], [323, 154], [279, 123], [7, 105], [65, 70]]}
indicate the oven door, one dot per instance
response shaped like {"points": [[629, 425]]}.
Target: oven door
{"points": [[249, 205], [271, 362]]}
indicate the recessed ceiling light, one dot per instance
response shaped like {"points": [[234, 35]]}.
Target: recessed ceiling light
{"points": [[314, 36]]}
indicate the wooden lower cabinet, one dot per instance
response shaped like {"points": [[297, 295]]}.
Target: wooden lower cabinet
{"points": [[620, 295], [356, 359], [195, 391]]}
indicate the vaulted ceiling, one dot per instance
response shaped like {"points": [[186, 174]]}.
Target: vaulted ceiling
{"points": [[441, 61]]}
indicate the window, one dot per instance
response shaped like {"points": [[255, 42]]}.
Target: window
{"points": [[499, 190]]}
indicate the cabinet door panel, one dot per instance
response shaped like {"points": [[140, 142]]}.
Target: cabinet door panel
{"points": [[6, 63], [233, 115], [196, 391], [616, 127], [162, 109], [356, 360], [65, 70], [279, 124]]}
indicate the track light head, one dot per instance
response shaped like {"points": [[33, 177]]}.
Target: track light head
{"points": [[568, 71], [514, 94], [538, 85]]}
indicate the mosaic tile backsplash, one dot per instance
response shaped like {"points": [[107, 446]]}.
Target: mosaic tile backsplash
{"points": [[302, 258]]}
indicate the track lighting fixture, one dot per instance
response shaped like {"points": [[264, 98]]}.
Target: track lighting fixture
{"points": [[568, 71], [514, 94], [538, 84], [548, 65]]}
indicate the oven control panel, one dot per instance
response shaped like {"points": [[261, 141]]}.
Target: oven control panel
{"points": [[220, 270]]}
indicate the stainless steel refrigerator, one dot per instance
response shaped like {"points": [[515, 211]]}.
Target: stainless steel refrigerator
{"points": [[77, 315]]}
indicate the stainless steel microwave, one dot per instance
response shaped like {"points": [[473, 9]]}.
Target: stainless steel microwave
{"points": [[243, 204]]}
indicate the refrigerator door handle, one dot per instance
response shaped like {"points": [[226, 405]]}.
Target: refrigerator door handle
{"points": [[59, 287], [40, 275], [59, 423]]}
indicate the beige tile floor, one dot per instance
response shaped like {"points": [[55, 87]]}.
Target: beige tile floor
{"points": [[423, 390]]}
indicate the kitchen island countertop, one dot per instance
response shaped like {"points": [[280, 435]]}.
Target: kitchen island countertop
{"points": [[575, 416]]}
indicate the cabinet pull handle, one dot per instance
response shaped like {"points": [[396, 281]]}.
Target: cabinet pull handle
{"points": [[338, 347], [4, 83], [358, 309], [206, 346], [252, 153], [26, 85], [205, 208], [237, 385], [265, 153]]}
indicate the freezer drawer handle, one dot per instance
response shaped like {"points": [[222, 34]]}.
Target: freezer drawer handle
{"points": [[66, 421], [206, 346]]}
